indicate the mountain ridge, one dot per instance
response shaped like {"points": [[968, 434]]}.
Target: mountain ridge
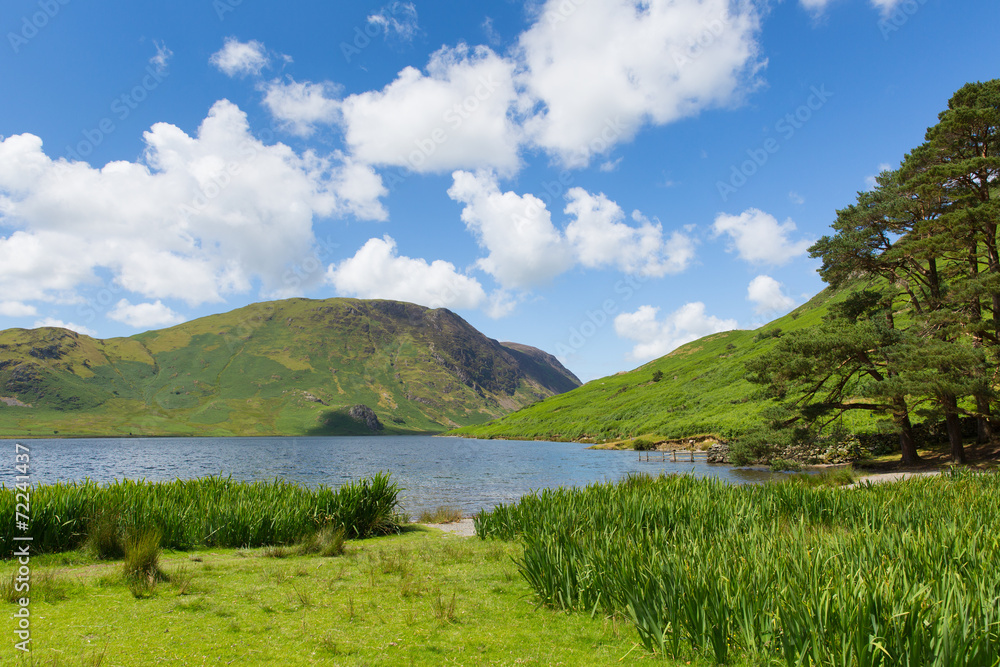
{"points": [[291, 367]]}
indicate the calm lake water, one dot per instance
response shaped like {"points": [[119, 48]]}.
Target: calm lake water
{"points": [[433, 471]]}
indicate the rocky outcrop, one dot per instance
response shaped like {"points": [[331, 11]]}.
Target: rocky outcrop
{"points": [[367, 416], [718, 453]]}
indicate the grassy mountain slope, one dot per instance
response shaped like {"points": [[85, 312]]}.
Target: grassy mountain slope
{"points": [[702, 391], [285, 367]]}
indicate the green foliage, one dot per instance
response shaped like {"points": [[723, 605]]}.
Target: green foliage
{"points": [[784, 465], [657, 375], [211, 511], [643, 445], [890, 574]]}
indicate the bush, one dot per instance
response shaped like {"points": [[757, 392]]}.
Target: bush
{"points": [[657, 376], [643, 445]]}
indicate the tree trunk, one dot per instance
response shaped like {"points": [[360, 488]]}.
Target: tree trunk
{"points": [[950, 404], [984, 425], [907, 444]]}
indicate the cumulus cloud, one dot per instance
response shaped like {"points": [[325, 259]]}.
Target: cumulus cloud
{"points": [[597, 71], [768, 295], [759, 238], [377, 271], [300, 107], [456, 116], [600, 237], [198, 217], [397, 19], [238, 58], [59, 324], [144, 315], [525, 248], [655, 338], [17, 309]]}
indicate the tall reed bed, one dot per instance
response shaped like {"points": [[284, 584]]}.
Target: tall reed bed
{"points": [[211, 511], [893, 574]]}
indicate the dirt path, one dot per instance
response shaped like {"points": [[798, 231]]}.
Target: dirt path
{"points": [[880, 478], [462, 528]]}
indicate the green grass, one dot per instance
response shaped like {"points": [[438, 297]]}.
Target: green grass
{"points": [[787, 573], [211, 511], [701, 391], [288, 367], [442, 514], [419, 598]]}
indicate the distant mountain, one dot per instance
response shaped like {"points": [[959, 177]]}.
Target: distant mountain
{"points": [[293, 367]]}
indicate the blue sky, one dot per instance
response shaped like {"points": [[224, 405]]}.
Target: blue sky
{"points": [[603, 179]]}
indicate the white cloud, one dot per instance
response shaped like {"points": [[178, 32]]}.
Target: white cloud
{"points": [[796, 198], [238, 58], [600, 237], [59, 324], [655, 338], [144, 315], [759, 238], [599, 70], [768, 295], [457, 116], [885, 6], [611, 165], [525, 248], [397, 18], [199, 217], [17, 309], [816, 6], [377, 272], [299, 107], [162, 57], [871, 181]]}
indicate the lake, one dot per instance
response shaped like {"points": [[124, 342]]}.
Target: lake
{"points": [[459, 472]]}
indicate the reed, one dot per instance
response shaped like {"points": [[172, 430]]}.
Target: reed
{"points": [[205, 512], [893, 574]]}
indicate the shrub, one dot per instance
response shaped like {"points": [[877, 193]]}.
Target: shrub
{"points": [[643, 445]]}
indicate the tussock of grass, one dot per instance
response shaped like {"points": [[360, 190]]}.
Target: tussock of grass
{"points": [[141, 566], [890, 574], [328, 541], [442, 514]]}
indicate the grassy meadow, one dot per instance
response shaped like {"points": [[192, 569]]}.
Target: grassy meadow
{"points": [[669, 570], [783, 573]]}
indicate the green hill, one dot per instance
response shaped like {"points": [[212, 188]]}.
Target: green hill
{"points": [[294, 367], [702, 391]]}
